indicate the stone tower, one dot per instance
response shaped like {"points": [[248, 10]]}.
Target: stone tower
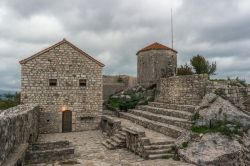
{"points": [[155, 61]]}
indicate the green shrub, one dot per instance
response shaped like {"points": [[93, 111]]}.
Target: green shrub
{"points": [[237, 82], [202, 66], [124, 103], [184, 70]]}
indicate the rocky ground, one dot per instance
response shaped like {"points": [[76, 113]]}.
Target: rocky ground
{"points": [[220, 135], [90, 152]]}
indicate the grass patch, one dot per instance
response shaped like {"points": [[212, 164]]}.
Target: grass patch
{"points": [[220, 127]]}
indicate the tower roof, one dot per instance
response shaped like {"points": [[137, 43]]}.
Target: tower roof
{"points": [[155, 46]]}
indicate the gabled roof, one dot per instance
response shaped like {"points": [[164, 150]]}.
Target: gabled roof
{"points": [[155, 46], [57, 44]]}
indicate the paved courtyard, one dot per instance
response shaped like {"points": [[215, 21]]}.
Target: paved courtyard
{"points": [[90, 152]]}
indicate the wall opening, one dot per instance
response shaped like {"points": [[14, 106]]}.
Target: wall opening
{"points": [[66, 121]]}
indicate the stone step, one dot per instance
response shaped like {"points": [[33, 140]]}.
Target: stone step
{"points": [[113, 143], [158, 147], [117, 140], [158, 151], [122, 133], [120, 136], [187, 108], [39, 156], [183, 123], [48, 145], [166, 112], [170, 130], [107, 145], [160, 156], [162, 143]]}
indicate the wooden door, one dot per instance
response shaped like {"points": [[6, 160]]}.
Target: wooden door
{"points": [[67, 121]]}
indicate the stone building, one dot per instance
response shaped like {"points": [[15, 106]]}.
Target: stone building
{"points": [[154, 62], [67, 84]]}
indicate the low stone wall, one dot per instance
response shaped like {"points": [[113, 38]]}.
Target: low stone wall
{"points": [[182, 90], [42, 152], [110, 125], [18, 126], [135, 142]]}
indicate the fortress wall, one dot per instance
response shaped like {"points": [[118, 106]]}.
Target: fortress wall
{"points": [[235, 94], [183, 90], [116, 83], [190, 89], [18, 126]]}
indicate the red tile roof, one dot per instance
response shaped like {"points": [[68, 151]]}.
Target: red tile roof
{"points": [[57, 44], [155, 46]]}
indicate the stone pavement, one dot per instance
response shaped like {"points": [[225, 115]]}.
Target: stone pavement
{"points": [[90, 152]]}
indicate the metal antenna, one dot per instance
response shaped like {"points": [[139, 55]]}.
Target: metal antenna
{"points": [[172, 30]]}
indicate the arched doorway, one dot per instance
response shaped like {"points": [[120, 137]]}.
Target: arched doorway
{"points": [[67, 121]]}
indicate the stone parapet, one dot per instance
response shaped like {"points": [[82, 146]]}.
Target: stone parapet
{"points": [[18, 126]]}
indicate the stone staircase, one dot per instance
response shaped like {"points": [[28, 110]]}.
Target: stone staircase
{"points": [[49, 151], [168, 119], [159, 150], [116, 141]]}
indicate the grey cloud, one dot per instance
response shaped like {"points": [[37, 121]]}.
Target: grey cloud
{"points": [[113, 31]]}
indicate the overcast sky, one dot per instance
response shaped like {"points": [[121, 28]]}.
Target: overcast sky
{"points": [[113, 31]]}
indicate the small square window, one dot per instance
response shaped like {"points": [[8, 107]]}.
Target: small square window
{"points": [[82, 82], [52, 82]]}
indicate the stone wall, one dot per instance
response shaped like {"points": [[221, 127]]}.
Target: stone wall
{"points": [[235, 94], [18, 126], [116, 83], [189, 90], [182, 90], [247, 104], [135, 140], [68, 65], [110, 125], [155, 64]]}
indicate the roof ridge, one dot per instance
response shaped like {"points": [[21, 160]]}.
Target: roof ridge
{"points": [[57, 44]]}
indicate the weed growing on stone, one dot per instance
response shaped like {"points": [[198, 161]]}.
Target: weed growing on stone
{"points": [[196, 116], [221, 92], [184, 144]]}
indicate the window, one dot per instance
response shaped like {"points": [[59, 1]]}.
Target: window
{"points": [[82, 82], [52, 82]]}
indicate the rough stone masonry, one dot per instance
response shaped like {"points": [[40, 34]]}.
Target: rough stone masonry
{"points": [[67, 84]]}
